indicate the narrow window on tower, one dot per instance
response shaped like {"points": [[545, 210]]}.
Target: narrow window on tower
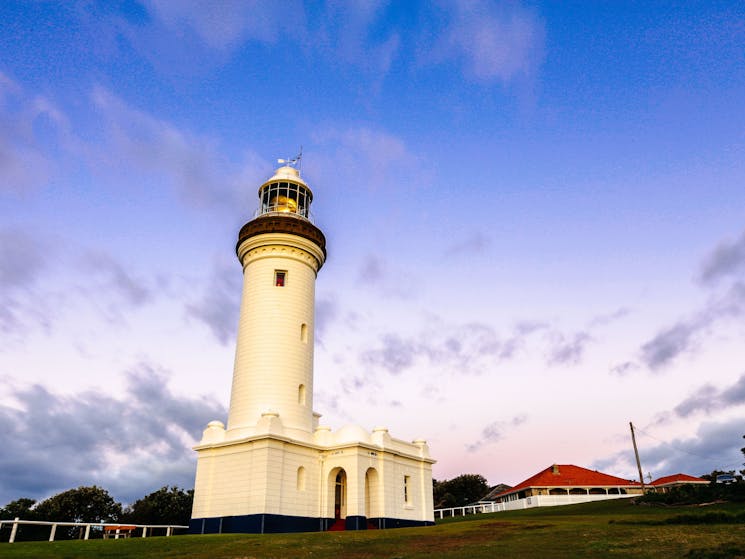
{"points": [[304, 333], [280, 278], [407, 490], [301, 479], [301, 394]]}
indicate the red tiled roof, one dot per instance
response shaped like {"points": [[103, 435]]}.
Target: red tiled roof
{"points": [[678, 478], [569, 475]]}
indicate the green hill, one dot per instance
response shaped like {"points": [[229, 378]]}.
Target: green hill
{"points": [[616, 529]]}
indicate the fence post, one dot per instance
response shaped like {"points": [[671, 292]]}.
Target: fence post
{"points": [[14, 530], [52, 532], [144, 531], [87, 531], [168, 531]]}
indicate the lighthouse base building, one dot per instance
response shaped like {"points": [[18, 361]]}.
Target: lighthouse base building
{"points": [[272, 482], [274, 468]]}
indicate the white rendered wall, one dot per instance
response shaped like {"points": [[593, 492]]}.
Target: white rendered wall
{"points": [[261, 476], [387, 498], [230, 481], [257, 477], [395, 468], [273, 358]]}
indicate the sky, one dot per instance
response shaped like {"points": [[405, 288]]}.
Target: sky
{"points": [[534, 211]]}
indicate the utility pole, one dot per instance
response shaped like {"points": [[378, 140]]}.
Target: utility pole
{"points": [[636, 453]]}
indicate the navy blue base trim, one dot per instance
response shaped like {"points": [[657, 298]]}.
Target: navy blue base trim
{"points": [[356, 523], [385, 523], [258, 524], [278, 523]]}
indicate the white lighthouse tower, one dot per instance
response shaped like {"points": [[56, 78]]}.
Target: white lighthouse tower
{"points": [[274, 469], [281, 252]]}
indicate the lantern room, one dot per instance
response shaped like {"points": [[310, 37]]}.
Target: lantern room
{"points": [[285, 193]]}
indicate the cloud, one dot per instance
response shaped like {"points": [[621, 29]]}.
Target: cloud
{"points": [[333, 403], [116, 279], [703, 400], [608, 318], [471, 348], [623, 369], [669, 343], [493, 41], [130, 445], [21, 267], [336, 31], [192, 164], [22, 262], [685, 335], [350, 31], [395, 356], [476, 243], [219, 305], [568, 352], [726, 260], [26, 301], [715, 445], [23, 164], [226, 24], [373, 269], [131, 141], [355, 384], [365, 157], [726, 302], [376, 272], [709, 398], [495, 432], [327, 311]]}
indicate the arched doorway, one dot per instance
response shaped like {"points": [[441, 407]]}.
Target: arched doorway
{"points": [[340, 495], [372, 497]]}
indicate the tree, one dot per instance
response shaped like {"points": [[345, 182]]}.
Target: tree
{"points": [[20, 508], [712, 477], [443, 499], [84, 504], [459, 491], [164, 506], [23, 509]]}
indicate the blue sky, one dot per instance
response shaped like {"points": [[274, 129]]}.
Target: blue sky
{"points": [[535, 216]]}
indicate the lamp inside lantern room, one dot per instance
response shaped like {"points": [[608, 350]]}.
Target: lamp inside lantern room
{"points": [[283, 204]]}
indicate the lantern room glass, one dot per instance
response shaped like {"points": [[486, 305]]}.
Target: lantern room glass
{"points": [[285, 197]]}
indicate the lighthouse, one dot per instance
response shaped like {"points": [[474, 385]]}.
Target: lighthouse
{"points": [[281, 252], [274, 467]]}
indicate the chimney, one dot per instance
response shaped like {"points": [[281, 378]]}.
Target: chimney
{"points": [[555, 469]]}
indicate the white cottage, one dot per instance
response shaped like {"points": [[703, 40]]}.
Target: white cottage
{"points": [[274, 468]]}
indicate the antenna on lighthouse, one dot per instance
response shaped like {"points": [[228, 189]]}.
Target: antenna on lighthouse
{"points": [[295, 162]]}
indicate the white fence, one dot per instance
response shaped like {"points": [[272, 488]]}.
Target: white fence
{"points": [[116, 530], [470, 509], [525, 503]]}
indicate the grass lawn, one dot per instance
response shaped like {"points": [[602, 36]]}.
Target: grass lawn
{"points": [[593, 530]]}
